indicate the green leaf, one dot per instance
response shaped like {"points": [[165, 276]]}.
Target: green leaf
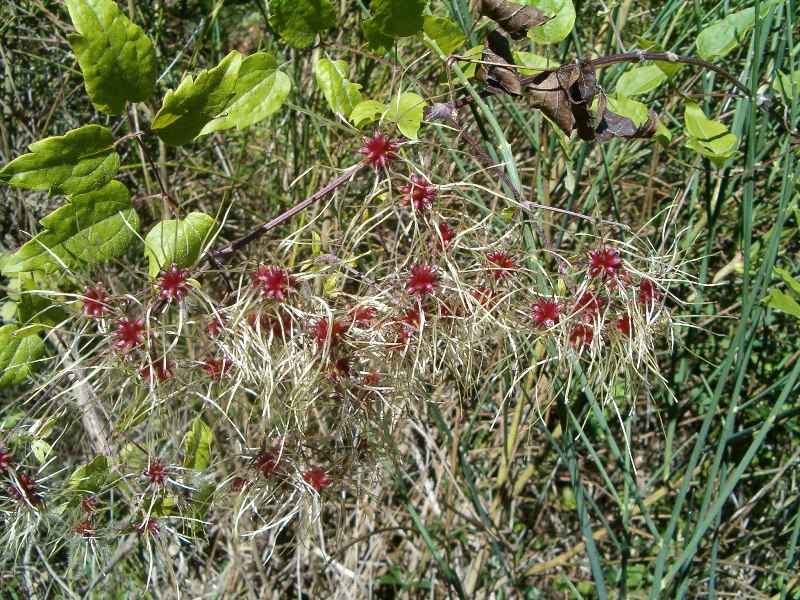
{"points": [[406, 110], [396, 18], [260, 91], [782, 302], [709, 138], [116, 57], [663, 135], [790, 281], [535, 61], [299, 21], [41, 450], [446, 33], [640, 80], [91, 228], [177, 241], [786, 86], [366, 112], [17, 355], [201, 500], [197, 446], [562, 13], [187, 110], [723, 36], [342, 95], [80, 161], [634, 110], [89, 478], [377, 41], [35, 308]]}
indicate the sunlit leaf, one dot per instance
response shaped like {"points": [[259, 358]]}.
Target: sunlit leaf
{"points": [[116, 57], [89, 229], [187, 110], [299, 21], [341, 94], [260, 91], [82, 160], [177, 241], [18, 355]]}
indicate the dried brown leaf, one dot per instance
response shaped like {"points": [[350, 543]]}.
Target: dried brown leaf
{"points": [[516, 19], [565, 95], [611, 125], [495, 76]]}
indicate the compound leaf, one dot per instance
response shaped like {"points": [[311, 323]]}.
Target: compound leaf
{"points": [[116, 57], [260, 91], [90, 228], [187, 110], [177, 241], [299, 21], [18, 354], [82, 160]]}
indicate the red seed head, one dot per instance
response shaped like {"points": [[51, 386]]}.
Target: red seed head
{"points": [[95, 301], [129, 334], [214, 328], [88, 503], [156, 471], [274, 282], [502, 264], [173, 283], [160, 371], [317, 479], [546, 312], [5, 460], [648, 293], [581, 336], [604, 261], [362, 315], [445, 236], [423, 280], [413, 317], [238, 483], [266, 463], [589, 307], [379, 151], [26, 490], [324, 330], [150, 526], [625, 325], [85, 528], [216, 369], [418, 193]]}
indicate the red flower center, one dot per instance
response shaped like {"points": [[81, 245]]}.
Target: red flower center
{"points": [[379, 151], [423, 280], [546, 312]]}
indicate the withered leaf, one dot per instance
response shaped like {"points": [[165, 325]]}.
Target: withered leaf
{"points": [[611, 125], [495, 76], [516, 19], [565, 95]]}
